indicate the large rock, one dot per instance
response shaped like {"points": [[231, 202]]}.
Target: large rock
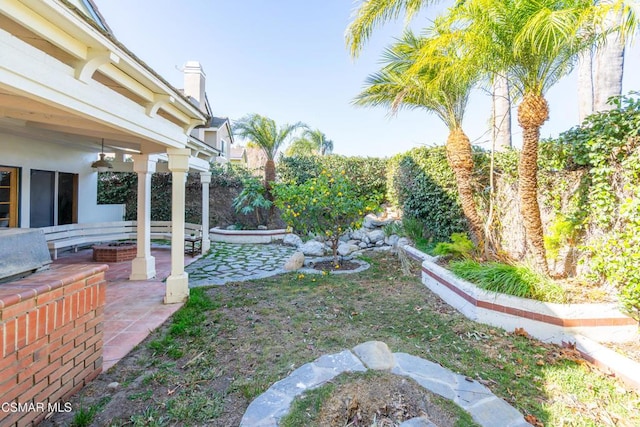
{"points": [[372, 221], [313, 248], [375, 355], [345, 249], [375, 236], [391, 240], [358, 234], [402, 241], [292, 240], [295, 261]]}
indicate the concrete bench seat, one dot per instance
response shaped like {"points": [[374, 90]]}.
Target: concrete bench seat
{"points": [[79, 235]]}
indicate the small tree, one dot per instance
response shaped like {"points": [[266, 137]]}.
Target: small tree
{"points": [[327, 205], [252, 198]]}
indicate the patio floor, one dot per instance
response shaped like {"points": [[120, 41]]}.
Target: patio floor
{"points": [[133, 308]]}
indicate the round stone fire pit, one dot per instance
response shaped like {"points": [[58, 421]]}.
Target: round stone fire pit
{"points": [[115, 252]]}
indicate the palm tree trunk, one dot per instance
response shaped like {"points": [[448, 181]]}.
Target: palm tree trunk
{"points": [[461, 161], [269, 179], [608, 64], [585, 85], [533, 111], [501, 113]]}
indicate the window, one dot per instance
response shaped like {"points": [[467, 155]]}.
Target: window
{"points": [[54, 198], [8, 196], [222, 150]]}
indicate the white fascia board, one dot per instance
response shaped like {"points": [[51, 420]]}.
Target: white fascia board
{"points": [[57, 14], [32, 73]]}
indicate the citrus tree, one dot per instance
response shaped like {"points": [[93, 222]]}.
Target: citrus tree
{"points": [[327, 205]]}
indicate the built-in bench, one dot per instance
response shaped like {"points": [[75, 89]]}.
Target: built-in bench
{"points": [[79, 235]]}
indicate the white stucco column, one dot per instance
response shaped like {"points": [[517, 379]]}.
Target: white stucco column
{"points": [[143, 267], [205, 179], [178, 282]]}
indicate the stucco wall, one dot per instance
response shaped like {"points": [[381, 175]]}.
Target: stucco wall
{"points": [[44, 154]]}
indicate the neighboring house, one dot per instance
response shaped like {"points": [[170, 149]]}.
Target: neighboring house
{"points": [[67, 86], [217, 131], [238, 155]]}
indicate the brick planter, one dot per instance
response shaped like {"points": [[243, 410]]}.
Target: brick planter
{"points": [[50, 339], [115, 252]]}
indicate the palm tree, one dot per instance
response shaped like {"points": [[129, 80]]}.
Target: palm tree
{"points": [[311, 142], [263, 132], [441, 89], [535, 42]]}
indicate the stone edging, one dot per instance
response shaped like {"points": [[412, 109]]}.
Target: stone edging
{"points": [[582, 324], [485, 408], [217, 234]]}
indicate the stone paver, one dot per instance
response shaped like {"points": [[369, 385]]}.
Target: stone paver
{"points": [[229, 262], [485, 408]]}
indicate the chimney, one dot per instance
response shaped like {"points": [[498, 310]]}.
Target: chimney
{"points": [[194, 83]]}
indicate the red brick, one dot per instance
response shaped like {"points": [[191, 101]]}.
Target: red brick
{"points": [[61, 351], [9, 381], [17, 391], [59, 334], [18, 309], [8, 363], [21, 331], [41, 322], [47, 297], [102, 294], [59, 318], [35, 390], [9, 337], [28, 351], [91, 358], [63, 391], [51, 317], [30, 371], [82, 378], [69, 356], [93, 322], [71, 335], [32, 326], [82, 320], [82, 338], [74, 287], [94, 339], [46, 372]]}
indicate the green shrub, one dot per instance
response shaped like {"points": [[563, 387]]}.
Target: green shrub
{"points": [[516, 280], [460, 247], [423, 185], [252, 199]]}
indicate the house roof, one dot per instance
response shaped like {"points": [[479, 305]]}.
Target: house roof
{"points": [[99, 23], [218, 122]]}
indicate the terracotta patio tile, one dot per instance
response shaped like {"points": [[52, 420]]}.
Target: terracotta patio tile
{"points": [[133, 308]]}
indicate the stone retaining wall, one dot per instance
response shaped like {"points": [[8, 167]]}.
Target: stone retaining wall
{"points": [[50, 340]]}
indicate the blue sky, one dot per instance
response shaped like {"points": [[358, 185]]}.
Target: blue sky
{"points": [[286, 59]]}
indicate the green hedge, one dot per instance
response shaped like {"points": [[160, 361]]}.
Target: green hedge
{"points": [[368, 174]]}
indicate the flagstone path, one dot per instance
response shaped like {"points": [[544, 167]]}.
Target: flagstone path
{"points": [[227, 262]]}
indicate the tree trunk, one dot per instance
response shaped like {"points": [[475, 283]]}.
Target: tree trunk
{"points": [[269, 179], [533, 111], [460, 159], [501, 113], [585, 85], [609, 64]]}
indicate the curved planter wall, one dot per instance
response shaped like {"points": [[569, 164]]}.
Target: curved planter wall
{"points": [[246, 236], [584, 325]]}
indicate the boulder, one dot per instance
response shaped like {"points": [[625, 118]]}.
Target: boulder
{"points": [[380, 243], [358, 234], [372, 221], [375, 236], [295, 261], [391, 240], [262, 227], [362, 245], [345, 249], [313, 248], [402, 241], [292, 240], [375, 355]]}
